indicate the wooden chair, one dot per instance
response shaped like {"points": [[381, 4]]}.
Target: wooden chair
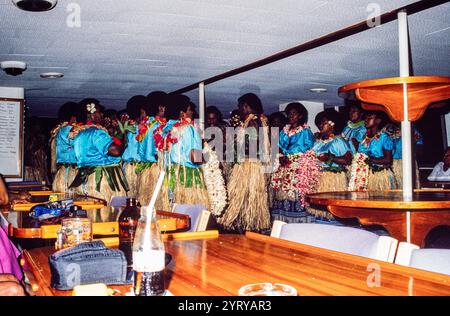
{"points": [[435, 260], [339, 238]]}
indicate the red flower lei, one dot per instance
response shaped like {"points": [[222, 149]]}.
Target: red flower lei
{"points": [[164, 142]]}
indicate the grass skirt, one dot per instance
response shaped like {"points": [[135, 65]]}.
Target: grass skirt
{"points": [[329, 182], [132, 178], [248, 208], [186, 186], [146, 183], [63, 178], [397, 168], [381, 180]]}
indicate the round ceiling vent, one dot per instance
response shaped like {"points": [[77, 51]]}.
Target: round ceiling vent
{"points": [[52, 75], [35, 5]]}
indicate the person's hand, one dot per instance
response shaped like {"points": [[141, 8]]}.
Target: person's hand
{"points": [[24, 195], [283, 160], [324, 157], [10, 286]]}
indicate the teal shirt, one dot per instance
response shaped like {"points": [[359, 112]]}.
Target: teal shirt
{"points": [[337, 146], [147, 148], [358, 133], [131, 153], [376, 146], [188, 139], [65, 152], [397, 149], [91, 148], [297, 143]]}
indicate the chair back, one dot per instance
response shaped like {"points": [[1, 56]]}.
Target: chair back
{"points": [[117, 202], [195, 212], [435, 260], [349, 240]]}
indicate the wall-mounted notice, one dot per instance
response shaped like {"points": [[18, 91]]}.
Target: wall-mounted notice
{"points": [[11, 138]]}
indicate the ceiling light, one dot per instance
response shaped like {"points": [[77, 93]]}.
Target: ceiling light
{"points": [[52, 75], [13, 68], [35, 5], [318, 90]]}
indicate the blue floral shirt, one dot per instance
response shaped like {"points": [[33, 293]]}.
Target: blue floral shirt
{"points": [[297, 143], [374, 149], [131, 153], [91, 148], [65, 152], [336, 146], [356, 131]]}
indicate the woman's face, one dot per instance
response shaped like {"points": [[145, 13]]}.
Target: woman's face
{"points": [[161, 110], [325, 126], [294, 117], [188, 114], [371, 121], [354, 114], [211, 119]]}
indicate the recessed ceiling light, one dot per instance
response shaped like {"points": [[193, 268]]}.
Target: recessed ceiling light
{"points": [[35, 5], [318, 90], [52, 75]]}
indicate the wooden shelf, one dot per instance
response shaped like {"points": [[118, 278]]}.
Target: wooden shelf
{"points": [[386, 94]]}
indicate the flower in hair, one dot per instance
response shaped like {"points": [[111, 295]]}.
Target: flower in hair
{"points": [[91, 108]]}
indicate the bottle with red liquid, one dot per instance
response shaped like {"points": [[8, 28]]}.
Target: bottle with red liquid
{"points": [[128, 221]]}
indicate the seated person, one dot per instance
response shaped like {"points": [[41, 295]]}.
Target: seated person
{"points": [[441, 171], [10, 271]]}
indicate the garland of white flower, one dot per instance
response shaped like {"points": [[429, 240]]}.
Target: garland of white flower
{"points": [[215, 184], [359, 172]]}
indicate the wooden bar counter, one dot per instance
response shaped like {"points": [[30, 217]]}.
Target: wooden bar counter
{"points": [[224, 263], [428, 209]]}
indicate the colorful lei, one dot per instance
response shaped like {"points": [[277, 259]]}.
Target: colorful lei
{"points": [[290, 132], [359, 173]]}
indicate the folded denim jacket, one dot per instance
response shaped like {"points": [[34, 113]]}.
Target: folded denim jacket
{"points": [[87, 263]]}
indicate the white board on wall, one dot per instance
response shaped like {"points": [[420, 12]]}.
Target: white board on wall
{"points": [[11, 132]]}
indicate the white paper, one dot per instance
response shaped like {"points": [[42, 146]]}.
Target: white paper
{"points": [[149, 261], [10, 116]]}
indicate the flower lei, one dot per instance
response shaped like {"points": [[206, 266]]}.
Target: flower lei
{"points": [[289, 132], [163, 141], [214, 182], [359, 172], [366, 141], [55, 131], [146, 124], [301, 174], [76, 129], [355, 125]]}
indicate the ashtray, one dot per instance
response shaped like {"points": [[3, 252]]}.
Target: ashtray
{"points": [[267, 289]]}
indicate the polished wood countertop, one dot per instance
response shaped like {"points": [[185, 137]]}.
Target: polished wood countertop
{"points": [[223, 264]]}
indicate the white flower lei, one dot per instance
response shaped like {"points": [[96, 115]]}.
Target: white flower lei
{"points": [[359, 172], [214, 181]]}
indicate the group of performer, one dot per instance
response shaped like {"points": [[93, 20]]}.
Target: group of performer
{"points": [[105, 156]]}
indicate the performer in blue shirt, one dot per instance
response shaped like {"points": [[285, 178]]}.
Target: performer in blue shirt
{"points": [[335, 155], [181, 145], [296, 138], [355, 131], [63, 154], [378, 146], [130, 157], [394, 131], [98, 157], [152, 118]]}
